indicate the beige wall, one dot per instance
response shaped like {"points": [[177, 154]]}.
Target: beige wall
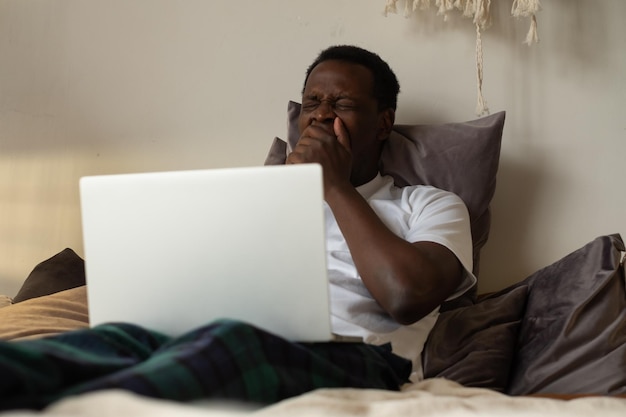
{"points": [[130, 85]]}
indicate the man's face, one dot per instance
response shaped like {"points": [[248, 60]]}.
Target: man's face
{"points": [[345, 90]]}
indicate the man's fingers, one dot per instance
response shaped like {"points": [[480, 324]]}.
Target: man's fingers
{"points": [[342, 134]]}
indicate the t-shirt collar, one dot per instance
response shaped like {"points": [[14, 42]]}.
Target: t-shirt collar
{"points": [[368, 189]]}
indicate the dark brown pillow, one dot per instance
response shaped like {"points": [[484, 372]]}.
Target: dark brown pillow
{"points": [[475, 345], [61, 272], [459, 157], [573, 336]]}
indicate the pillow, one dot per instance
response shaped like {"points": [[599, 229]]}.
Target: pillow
{"points": [[63, 271], [573, 336], [46, 315], [459, 157], [475, 345]]}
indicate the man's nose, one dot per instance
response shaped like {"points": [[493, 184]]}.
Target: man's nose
{"points": [[324, 112]]}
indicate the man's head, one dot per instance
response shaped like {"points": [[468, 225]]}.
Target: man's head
{"points": [[385, 88], [357, 87]]}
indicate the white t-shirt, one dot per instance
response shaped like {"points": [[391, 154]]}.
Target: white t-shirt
{"points": [[415, 213]]}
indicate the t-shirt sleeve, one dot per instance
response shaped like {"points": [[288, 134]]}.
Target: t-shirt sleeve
{"points": [[441, 217]]}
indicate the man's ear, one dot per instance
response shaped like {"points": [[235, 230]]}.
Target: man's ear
{"points": [[386, 119]]}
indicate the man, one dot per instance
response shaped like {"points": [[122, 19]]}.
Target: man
{"points": [[394, 256]]}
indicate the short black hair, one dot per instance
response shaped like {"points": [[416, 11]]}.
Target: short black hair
{"points": [[386, 86]]}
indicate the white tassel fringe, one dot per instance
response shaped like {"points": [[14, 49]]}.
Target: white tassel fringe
{"points": [[528, 8], [479, 12]]}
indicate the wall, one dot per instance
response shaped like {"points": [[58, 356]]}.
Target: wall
{"points": [[91, 87]]}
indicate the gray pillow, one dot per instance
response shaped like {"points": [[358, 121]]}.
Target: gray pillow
{"points": [[475, 345], [459, 157], [573, 336]]}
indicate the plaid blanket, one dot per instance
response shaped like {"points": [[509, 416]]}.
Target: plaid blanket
{"points": [[225, 359]]}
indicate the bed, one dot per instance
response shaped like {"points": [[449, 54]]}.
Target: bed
{"points": [[553, 343]]}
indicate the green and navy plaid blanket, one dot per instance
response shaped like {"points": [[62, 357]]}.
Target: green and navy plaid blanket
{"points": [[225, 359]]}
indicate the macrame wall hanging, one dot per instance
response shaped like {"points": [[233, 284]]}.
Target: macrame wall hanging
{"points": [[478, 11]]}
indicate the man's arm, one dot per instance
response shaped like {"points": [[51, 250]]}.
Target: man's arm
{"points": [[407, 279]]}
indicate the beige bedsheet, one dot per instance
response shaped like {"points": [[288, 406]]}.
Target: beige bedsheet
{"points": [[45, 316], [5, 300], [430, 398]]}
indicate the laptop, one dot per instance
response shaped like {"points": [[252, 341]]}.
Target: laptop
{"points": [[172, 251]]}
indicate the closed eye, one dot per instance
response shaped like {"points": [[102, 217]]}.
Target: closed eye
{"points": [[345, 105], [340, 104], [309, 104]]}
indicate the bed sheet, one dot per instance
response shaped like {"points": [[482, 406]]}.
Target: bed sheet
{"points": [[430, 398]]}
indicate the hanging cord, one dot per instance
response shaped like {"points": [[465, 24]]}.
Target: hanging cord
{"points": [[481, 105]]}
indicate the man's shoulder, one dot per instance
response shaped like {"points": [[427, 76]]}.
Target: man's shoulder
{"points": [[384, 191], [387, 182], [425, 193]]}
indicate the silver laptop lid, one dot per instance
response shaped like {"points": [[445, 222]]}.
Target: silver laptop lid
{"points": [[172, 251]]}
